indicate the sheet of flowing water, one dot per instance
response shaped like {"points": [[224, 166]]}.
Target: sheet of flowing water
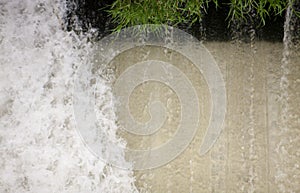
{"points": [[284, 120], [40, 150], [244, 158]]}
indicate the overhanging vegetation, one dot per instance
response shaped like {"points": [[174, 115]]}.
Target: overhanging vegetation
{"points": [[126, 13]]}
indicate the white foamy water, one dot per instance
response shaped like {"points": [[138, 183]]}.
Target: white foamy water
{"points": [[40, 150]]}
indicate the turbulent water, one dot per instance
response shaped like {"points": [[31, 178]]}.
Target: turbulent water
{"points": [[40, 150]]}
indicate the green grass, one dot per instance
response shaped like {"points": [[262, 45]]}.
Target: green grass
{"points": [[127, 13]]}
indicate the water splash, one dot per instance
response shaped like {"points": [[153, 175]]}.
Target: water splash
{"points": [[40, 149]]}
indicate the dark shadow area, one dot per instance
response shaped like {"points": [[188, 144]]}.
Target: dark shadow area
{"points": [[87, 14], [273, 29]]}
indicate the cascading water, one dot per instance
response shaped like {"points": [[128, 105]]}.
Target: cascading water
{"points": [[251, 126], [41, 151], [40, 148], [283, 133], [283, 124]]}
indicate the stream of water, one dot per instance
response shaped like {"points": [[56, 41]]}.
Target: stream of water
{"points": [[40, 148], [42, 151]]}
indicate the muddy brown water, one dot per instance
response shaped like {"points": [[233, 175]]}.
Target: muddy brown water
{"points": [[255, 152]]}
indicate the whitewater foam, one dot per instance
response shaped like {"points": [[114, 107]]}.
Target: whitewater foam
{"points": [[40, 149]]}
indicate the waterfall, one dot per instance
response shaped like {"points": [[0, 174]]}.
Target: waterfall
{"points": [[284, 83], [40, 148], [282, 159]]}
